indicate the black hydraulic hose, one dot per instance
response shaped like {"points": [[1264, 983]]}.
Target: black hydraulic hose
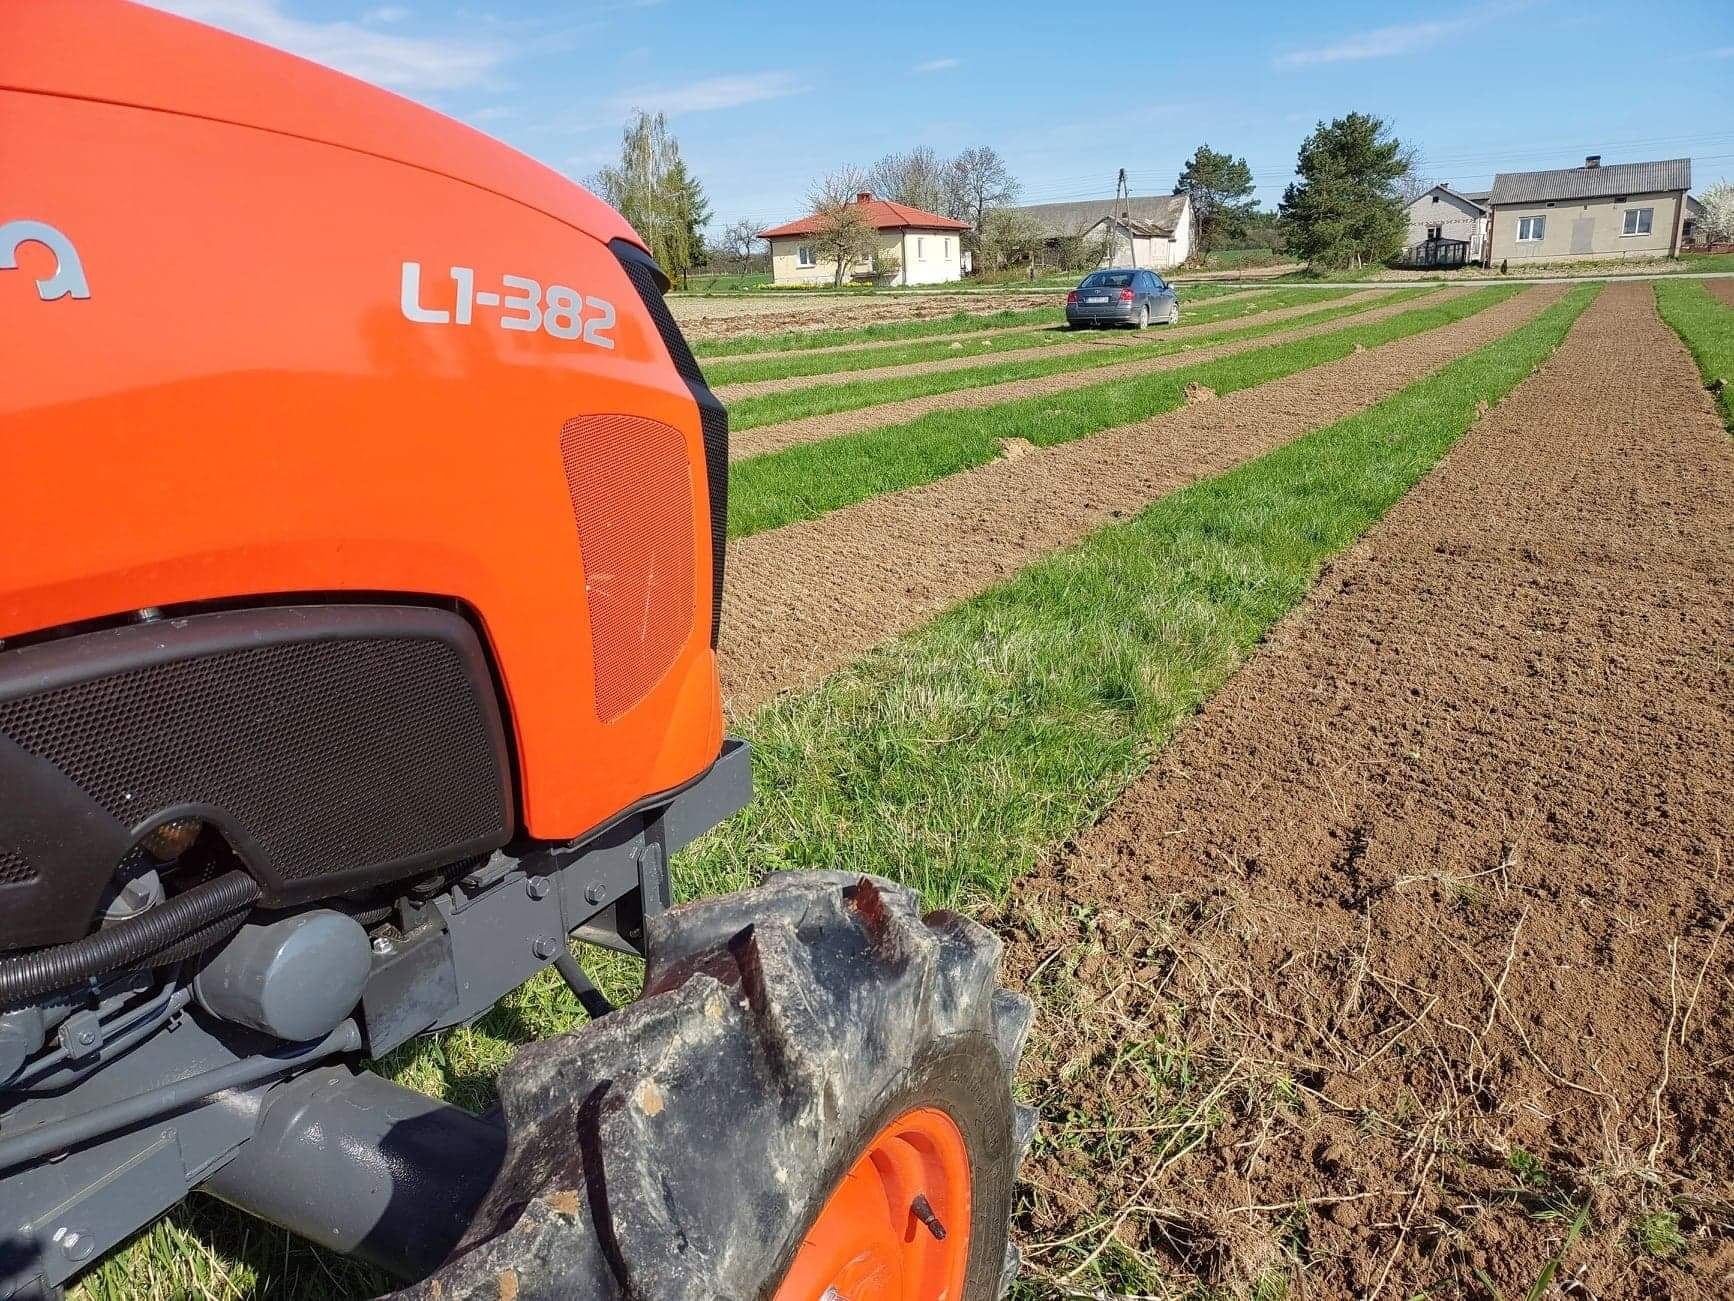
{"points": [[128, 941], [595, 1002], [62, 1135]]}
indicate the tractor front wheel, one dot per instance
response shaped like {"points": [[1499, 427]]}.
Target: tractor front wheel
{"points": [[812, 1099]]}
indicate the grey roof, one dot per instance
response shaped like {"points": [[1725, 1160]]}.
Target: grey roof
{"points": [[1162, 212], [1592, 182], [1476, 197]]}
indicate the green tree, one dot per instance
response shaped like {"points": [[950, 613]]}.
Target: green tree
{"points": [[652, 189], [1346, 210], [1221, 190], [692, 205]]}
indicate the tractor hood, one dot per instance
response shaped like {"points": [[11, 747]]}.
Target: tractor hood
{"points": [[120, 53]]}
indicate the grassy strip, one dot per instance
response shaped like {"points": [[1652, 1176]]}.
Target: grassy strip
{"points": [[1706, 327], [827, 399], [956, 323], [953, 758], [811, 479], [1051, 332]]}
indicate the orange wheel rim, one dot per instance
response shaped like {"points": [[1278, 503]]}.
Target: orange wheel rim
{"points": [[897, 1227]]}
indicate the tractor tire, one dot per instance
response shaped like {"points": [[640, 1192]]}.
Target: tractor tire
{"points": [[686, 1145]]}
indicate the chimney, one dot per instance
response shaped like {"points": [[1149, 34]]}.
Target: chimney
{"points": [[864, 196], [1594, 160]]}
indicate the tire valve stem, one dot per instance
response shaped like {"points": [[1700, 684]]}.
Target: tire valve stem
{"points": [[923, 1211]]}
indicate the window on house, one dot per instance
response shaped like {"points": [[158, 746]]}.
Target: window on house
{"points": [[947, 248], [1638, 221], [1531, 229], [804, 256], [1434, 232], [920, 249]]}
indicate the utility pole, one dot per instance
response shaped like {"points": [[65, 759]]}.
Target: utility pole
{"points": [[1123, 200]]}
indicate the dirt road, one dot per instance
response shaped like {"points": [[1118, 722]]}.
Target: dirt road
{"points": [[1444, 869], [813, 429], [803, 600], [966, 336], [971, 356], [716, 318]]}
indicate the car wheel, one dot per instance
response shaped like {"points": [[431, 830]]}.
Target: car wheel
{"points": [[1174, 314], [1144, 316]]}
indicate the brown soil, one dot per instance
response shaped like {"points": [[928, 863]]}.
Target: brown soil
{"points": [[815, 429], [1430, 897], [964, 336], [791, 309], [970, 357], [1723, 289], [806, 599]]}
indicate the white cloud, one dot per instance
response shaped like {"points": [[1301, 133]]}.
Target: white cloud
{"points": [[937, 65], [1381, 42], [712, 93], [388, 14], [1720, 52], [406, 63]]}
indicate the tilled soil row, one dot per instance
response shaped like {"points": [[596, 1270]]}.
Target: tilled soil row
{"points": [[1723, 289], [969, 360], [962, 335], [805, 599], [718, 318], [1435, 888], [816, 429]]}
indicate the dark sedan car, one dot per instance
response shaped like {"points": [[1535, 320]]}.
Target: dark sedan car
{"points": [[1122, 296]]}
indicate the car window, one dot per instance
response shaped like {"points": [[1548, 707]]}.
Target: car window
{"points": [[1159, 285], [1108, 280]]}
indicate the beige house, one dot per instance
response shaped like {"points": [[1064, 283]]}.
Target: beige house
{"points": [[1445, 215], [1153, 231], [915, 248], [1627, 210]]}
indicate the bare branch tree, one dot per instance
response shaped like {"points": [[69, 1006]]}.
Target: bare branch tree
{"points": [[917, 178], [842, 235], [978, 180]]}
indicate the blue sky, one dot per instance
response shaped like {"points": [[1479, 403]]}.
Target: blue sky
{"points": [[763, 97]]}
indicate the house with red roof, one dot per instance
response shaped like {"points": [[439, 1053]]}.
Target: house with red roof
{"points": [[915, 248]]}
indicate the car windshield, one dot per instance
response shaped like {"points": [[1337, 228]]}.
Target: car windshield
{"points": [[1108, 280]]}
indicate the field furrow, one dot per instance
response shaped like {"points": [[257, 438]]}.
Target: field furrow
{"points": [[1723, 288], [1404, 933], [805, 599], [764, 439], [1053, 313], [1047, 344]]}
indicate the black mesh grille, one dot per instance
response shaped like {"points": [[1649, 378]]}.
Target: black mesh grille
{"points": [[643, 276], [713, 417], [330, 754], [15, 869], [716, 464]]}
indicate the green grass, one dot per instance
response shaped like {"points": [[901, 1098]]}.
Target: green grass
{"points": [[1658, 1234], [1052, 332], [810, 479], [1689, 264], [704, 282], [827, 399], [954, 757], [1706, 326]]}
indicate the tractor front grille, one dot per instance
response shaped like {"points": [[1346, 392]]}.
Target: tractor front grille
{"points": [[333, 746]]}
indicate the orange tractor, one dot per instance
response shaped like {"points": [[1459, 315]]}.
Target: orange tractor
{"points": [[358, 614]]}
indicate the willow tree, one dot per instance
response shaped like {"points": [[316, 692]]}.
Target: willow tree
{"points": [[655, 193]]}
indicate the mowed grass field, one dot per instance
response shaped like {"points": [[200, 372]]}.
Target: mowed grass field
{"points": [[962, 756]]}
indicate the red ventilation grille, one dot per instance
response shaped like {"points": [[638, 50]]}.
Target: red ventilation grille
{"points": [[631, 487]]}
